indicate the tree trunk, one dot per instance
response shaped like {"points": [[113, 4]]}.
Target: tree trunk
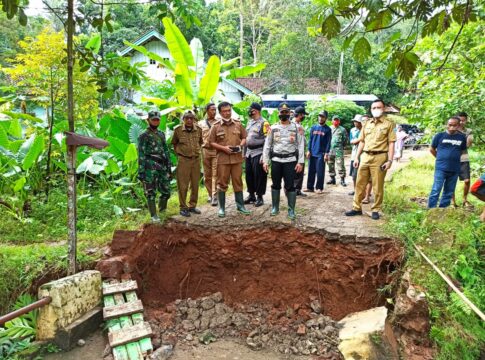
{"points": [[241, 38], [49, 148], [71, 150]]}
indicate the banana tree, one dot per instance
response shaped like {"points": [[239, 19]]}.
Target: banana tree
{"points": [[195, 82]]}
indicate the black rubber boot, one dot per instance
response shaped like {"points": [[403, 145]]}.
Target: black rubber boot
{"points": [[291, 195], [152, 208], [221, 197], [332, 181], [240, 203], [162, 204], [275, 202]]}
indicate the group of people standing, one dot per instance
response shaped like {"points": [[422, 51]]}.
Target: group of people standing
{"points": [[224, 144]]}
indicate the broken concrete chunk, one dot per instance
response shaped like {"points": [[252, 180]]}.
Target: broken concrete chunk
{"points": [[367, 335]]}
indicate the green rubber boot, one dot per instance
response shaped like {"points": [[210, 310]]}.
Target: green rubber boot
{"points": [[152, 208], [275, 202], [240, 203], [221, 197], [291, 195], [162, 204]]}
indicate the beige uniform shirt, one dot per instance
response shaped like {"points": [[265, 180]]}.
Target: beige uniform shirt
{"points": [[377, 134], [187, 143], [229, 133], [206, 126]]}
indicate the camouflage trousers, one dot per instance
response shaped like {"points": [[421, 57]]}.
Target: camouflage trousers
{"points": [[156, 181], [339, 159]]}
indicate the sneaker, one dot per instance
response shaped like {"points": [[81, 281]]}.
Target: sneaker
{"points": [[214, 201], [259, 202], [353, 212], [342, 182], [155, 220], [375, 215], [209, 199], [309, 190], [352, 193], [185, 212], [250, 200], [194, 211], [319, 191], [300, 193]]}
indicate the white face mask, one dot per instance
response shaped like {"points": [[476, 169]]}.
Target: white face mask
{"points": [[377, 113]]}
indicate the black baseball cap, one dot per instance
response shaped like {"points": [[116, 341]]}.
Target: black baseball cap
{"points": [[255, 106], [300, 110]]}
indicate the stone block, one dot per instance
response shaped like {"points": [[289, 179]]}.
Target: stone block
{"points": [[367, 335], [67, 338], [72, 297]]}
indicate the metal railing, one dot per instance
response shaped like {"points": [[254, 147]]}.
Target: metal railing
{"points": [[26, 309]]}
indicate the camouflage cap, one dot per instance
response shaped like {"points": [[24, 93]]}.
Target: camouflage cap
{"points": [[154, 114]]}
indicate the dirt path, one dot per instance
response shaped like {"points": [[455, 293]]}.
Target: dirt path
{"points": [[318, 211]]}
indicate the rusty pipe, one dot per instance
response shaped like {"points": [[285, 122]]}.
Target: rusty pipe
{"points": [[26, 309]]}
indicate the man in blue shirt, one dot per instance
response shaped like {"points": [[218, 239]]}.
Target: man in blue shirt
{"points": [[447, 147], [318, 152]]}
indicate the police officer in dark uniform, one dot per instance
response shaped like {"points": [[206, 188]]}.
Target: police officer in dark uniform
{"points": [[256, 178], [154, 166]]}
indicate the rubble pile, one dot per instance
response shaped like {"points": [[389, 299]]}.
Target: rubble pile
{"points": [[296, 330]]}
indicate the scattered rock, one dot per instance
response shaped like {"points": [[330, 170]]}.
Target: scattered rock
{"points": [[301, 330], [316, 307], [81, 342], [163, 353]]}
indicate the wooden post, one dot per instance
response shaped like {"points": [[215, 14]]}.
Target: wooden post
{"points": [[71, 150]]}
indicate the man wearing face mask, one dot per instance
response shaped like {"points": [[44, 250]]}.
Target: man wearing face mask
{"points": [[376, 145], [186, 141], [318, 153], [256, 178], [154, 166], [339, 139], [284, 146], [298, 120], [209, 156], [228, 137]]}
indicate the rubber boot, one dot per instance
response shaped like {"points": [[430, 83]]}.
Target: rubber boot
{"points": [[221, 197], [162, 204], [275, 202], [152, 208], [291, 195], [332, 181], [240, 203]]}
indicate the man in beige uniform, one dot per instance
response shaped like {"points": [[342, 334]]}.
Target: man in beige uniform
{"points": [[186, 141], [209, 156], [377, 140], [228, 136]]}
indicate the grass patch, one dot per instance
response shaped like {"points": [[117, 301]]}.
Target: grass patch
{"points": [[37, 245], [454, 240]]}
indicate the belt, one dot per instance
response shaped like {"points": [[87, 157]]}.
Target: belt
{"points": [[283, 156], [375, 152], [189, 157]]}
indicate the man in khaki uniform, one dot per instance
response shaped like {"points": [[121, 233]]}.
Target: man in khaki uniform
{"points": [[209, 156], [186, 141], [228, 136], [377, 140]]}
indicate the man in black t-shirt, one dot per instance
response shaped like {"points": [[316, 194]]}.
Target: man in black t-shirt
{"points": [[447, 147]]}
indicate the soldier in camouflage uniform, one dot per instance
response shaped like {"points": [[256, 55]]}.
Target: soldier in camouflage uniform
{"points": [[339, 140], [154, 167]]}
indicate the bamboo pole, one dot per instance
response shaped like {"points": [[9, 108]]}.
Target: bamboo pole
{"points": [[450, 283]]}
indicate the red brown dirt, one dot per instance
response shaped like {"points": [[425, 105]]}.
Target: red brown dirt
{"points": [[282, 266]]}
